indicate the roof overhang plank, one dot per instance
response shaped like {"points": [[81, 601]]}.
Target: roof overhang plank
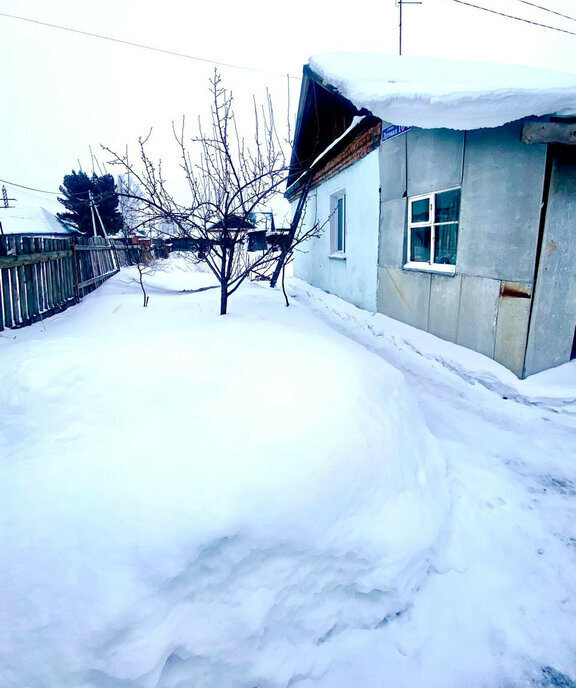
{"points": [[323, 115]]}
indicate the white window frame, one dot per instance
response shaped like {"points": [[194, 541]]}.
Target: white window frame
{"points": [[429, 266], [335, 250]]}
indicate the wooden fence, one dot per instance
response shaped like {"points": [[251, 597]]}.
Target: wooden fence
{"points": [[43, 276], [128, 254]]}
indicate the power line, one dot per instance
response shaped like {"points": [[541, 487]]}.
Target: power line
{"points": [[82, 194], [511, 16], [30, 188], [144, 46], [547, 9], [31, 193]]}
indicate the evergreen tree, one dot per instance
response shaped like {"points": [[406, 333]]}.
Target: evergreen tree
{"points": [[106, 198], [75, 198]]}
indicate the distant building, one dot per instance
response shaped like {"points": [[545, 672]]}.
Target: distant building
{"points": [[34, 221], [450, 194]]}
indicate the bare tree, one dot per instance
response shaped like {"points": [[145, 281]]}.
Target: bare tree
{"points": [[228, 181], [141, 252], [146, 265], [129, 204]]}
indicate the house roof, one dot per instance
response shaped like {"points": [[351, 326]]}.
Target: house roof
{"points": [[325, 119], [442, 93], [34, 220], [233, 222]]}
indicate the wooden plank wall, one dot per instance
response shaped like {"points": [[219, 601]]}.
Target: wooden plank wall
{"points": [[42, 276], [127, 254], [95, 262]]}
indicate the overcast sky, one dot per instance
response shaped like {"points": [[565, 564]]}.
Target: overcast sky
{"points": [[64, 92]]}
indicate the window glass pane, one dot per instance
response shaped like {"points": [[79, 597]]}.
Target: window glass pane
{"points": [[446, 244], [420, 244], [340, 233], [447, 206], [421, 210]]}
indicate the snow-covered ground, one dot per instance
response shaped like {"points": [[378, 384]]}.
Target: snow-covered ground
{"points": [[312, 496]]}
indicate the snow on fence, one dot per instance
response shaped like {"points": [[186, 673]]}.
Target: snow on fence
{"points": [[42, 276]]}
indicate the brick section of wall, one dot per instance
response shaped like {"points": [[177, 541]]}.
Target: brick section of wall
{"points": [[362, 144]]}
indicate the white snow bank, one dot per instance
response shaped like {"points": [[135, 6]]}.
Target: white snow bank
{"points": [[31, 221], [193, 500], [455, 94]]}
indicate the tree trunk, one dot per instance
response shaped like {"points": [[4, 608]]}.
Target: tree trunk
{"points": [[141, 276], [284, 285], [223, 278], [223, 298], [288, 247]]}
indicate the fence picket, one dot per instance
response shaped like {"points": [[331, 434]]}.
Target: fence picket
{"points": [[41, 276], [6, 288]]}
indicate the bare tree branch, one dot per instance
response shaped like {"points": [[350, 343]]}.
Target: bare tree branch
{"points": [[228, 180]]}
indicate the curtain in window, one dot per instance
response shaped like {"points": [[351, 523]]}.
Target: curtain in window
{"points": [[341, 220], [446, 210], [446, 244], [447, 206], [420, 244]]}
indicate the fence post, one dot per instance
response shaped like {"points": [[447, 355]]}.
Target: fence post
{"points": [[76, 271]]}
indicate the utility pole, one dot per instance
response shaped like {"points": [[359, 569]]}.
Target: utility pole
{"points": [[399, 4], [92, 213], [5, 198]]}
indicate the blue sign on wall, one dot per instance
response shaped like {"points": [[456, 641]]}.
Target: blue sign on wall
{"points": [[392, 131]]}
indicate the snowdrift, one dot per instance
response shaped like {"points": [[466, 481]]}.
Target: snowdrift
{"points": [[204, 501]]}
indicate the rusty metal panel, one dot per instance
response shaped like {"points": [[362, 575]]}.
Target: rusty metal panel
{"points": [[501, 200], [477, 314], [549, 132], [404, 295], [392, 232], [434, 160], [512, 325], [553, 322], [444, 306]]}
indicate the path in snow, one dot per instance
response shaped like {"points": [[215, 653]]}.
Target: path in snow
{"points": [[513, 469]]}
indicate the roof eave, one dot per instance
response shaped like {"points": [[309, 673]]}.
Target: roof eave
{"points": [[309, 76], [368, 122]]}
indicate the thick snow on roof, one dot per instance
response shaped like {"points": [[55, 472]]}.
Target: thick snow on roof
{"points": [[455, 94], [31, 221]]}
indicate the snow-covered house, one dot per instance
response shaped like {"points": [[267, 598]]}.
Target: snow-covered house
{"points": [[449, 195], [32, 221]]}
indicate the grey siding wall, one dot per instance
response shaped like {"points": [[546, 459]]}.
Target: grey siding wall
{"points": [[486, 305], [434, 159], [502, 190], [554, 314]]}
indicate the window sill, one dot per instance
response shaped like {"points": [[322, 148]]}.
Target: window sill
{"points": [[337, 256], [427, 267]]}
